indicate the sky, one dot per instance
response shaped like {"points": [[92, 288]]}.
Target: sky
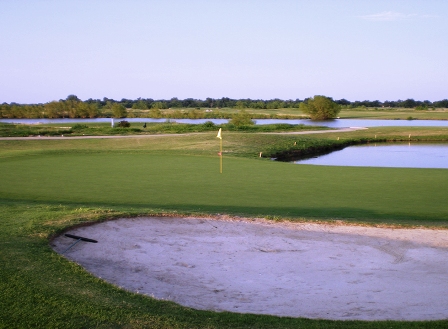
{"points": [[258, 49]]}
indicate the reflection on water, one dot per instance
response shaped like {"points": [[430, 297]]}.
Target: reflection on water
{"points": [[409, 155]]}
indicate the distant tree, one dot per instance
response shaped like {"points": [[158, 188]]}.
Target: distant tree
{"points": [[140, 105], [240, 105], [73, 98], [5, 110], [320, 108], [343, 102], [275, 104], [390, 104], [83, 110], [174, 102], [54, 110], [127, 103], [86, 110], [225, 102], [118, 111], [376, 103], [190, 102], [442, 103], [409, 103], [71, 105], [158, 105], [209, 102]]}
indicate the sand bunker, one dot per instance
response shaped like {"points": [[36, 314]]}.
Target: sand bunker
{"points": [[285, 269]]}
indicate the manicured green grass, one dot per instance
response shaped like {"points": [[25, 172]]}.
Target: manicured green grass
{"points": [[50, 185], [246, 187]]}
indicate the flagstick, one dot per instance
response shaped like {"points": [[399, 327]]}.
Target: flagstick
{"points": [[220, 149], [220, 156]]}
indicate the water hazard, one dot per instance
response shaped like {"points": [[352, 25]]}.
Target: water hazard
{"points": [[402, 155], [337, 123]]}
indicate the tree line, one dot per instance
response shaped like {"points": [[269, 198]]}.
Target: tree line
{"points": [[73, 107]]}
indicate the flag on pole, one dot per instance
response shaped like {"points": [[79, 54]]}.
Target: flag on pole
{"points": [[220, 149]]}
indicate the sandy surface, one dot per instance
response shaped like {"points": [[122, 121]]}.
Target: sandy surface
{"points": [[255, 266]]}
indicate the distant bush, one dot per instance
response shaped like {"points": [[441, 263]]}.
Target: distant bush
{"points": [[123, 124], [208, 124], [247, 128], [79, 126], [421, 108], [241, 118], [155, 113]]}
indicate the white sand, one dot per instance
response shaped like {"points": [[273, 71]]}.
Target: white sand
{"points": [[255, 266]]}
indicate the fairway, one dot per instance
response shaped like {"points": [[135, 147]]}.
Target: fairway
{"points": [[193, 184]]}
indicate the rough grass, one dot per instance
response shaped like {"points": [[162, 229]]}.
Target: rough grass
{"points": [[394, 114], [355, 113], [136, 128]]}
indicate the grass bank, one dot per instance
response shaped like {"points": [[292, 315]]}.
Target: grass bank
{"points": [[398, 113], [136, 128]]}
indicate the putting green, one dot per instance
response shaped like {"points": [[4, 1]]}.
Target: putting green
{"points": [[251, 187]]}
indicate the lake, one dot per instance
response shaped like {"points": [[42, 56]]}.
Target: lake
{"points": [[337, 123], [402, 155]]}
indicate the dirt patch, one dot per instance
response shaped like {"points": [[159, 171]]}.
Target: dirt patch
{"points": [[285, 269]]}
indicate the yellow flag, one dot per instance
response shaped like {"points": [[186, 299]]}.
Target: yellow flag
{"points": [[219, 134]]}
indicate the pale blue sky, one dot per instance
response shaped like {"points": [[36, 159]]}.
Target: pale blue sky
{"points": [[259, 49]]}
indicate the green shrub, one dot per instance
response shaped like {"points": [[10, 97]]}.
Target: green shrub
{"points": [[79, 126], [123, 124], [208, 124], [242, 118]]}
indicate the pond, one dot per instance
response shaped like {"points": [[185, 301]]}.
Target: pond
{"points": [[403, 155], [337, 123], [346, 123]]}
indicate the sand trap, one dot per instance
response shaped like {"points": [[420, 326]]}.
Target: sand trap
{"points": [[255, 266]]}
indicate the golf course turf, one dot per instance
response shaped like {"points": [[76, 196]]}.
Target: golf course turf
{"points": [[48, 186]]}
